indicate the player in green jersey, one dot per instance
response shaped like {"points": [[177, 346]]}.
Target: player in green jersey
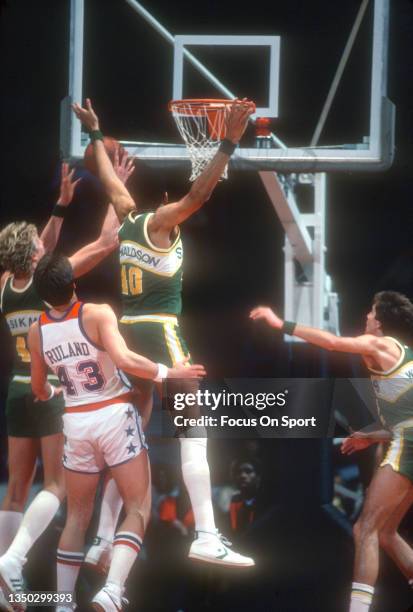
{"points": [[35, 427], [386, 349], [151, 273]]}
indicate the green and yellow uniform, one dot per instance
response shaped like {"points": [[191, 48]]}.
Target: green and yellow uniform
{"points": [[25, 417], [394, 394], [151, 280]]}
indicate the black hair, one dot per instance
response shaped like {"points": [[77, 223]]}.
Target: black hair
{"points": [[395, 313], [53, 279], [253, 461]]}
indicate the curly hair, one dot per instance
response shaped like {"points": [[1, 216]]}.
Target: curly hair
{"points": [[395, 313], [17, 247]]}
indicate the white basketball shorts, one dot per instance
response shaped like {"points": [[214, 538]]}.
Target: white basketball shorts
{"points": [[109, 436]]}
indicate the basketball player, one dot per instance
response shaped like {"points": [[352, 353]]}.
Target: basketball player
{"points": [[386, 349], [151, 257], [33, 427], [82, 345]]}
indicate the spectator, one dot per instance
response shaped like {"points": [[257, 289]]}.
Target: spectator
{"points": [[246, 474]]}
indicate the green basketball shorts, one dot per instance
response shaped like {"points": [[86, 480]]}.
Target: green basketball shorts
{"points": [[400, 452], [156, 337], [27, 418]]}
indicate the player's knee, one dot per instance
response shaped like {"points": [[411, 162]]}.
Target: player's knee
{"points": [[386, 537], [16, 496], [365, 526]]}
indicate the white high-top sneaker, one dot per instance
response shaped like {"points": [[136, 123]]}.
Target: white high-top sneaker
{"points": [[11, 583], [109, 599], [213, 548]]}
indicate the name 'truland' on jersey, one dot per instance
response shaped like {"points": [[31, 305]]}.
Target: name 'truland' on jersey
{"points": [[151, 276]]}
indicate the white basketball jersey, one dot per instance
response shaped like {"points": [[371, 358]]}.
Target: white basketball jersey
{"points": [[88, 376]]}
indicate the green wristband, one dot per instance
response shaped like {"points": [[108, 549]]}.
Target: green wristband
{"points": [[227, 147], [288, 327], [59, 211], [95, 135]]}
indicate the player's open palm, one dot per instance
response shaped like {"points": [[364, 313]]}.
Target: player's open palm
{"points": [[263, 313], [123, 166], [237, 119], [356, 442], [67, 185], [184, 370], [86, 115]]}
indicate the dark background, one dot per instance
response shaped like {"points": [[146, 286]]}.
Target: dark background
{"points": [[234, 245]]}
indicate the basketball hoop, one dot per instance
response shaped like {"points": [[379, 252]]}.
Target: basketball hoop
{"points": [[201, 124]]}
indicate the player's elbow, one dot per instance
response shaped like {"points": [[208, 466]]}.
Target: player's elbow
{"points": [[332, 343]]}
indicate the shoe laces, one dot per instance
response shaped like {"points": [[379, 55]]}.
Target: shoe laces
{"points": [[224, 540]]}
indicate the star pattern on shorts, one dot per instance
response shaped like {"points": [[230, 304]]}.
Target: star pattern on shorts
{"points": [[129, 413], [64, 458], [130, 431], [131, 448]]}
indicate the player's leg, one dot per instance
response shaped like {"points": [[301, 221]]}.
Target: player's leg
{"points": [[99, 555], [394, 545], [22, 454], [38, 515], [80, 490], [134, 484], [42, 509], [387, 491], [162, 342]]}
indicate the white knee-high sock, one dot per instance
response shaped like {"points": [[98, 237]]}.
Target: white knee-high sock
{"points": [[68, 566], [110, 510], [126, 546], [361, 597], [9, 525], [195, 472], [35, 520]]}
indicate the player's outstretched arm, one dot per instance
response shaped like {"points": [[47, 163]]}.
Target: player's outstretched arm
{"points": [[110, 338], [42, 389], [114, 187], [167, 217], [362, 345], [50, 234], [89, 256], [92, 254]]}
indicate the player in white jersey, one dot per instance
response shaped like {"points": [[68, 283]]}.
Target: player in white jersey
{"points": [[82, 345]]}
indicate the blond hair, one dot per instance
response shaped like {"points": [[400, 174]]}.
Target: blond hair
{"points": [[17, 247]]}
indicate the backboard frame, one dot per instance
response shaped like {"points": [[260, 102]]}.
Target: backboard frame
{"points": [[375, 153]]}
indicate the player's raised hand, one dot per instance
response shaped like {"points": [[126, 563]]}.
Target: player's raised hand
{"points": [[263, 313], [86, 115], [237, 119], [123, 166], [67, 185], [185, 370], [356, 442]]}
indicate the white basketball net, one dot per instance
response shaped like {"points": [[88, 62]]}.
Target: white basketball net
{"points": [[201, 125]]}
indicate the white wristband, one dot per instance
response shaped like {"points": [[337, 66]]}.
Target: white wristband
{"points": [[162, 373]]}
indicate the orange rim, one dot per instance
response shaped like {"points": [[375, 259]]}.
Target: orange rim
{"points": [[213, 103]]}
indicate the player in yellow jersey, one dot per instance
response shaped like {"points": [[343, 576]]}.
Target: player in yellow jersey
{"points": [[151, 257], [386, 348]]}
